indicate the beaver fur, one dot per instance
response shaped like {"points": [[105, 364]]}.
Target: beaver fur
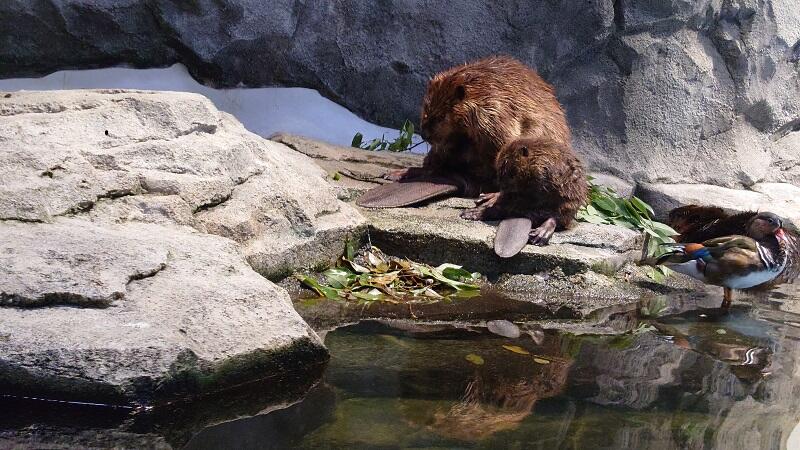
{"points": [[470, 112], [540, 179]]}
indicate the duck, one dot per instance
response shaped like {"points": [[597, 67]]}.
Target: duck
{"points": [[736, 261], [696, 223]]}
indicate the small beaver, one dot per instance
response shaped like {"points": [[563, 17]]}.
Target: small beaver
{"points": [[541, 182], [469, 112]]}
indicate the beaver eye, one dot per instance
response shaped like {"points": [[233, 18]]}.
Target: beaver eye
{"points": [[524, 151]]}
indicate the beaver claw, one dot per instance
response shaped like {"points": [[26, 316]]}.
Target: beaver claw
{"points": [[396, 175], [478, 213], [541, 235], [488, 199]]}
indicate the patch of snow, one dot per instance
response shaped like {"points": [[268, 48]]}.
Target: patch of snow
{"points": [[264, 111]]}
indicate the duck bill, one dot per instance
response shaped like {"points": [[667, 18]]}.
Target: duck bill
{"points": [[780, 234]]}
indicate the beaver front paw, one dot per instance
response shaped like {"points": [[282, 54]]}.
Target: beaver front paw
{"points": [[478, 213], [396, 175], [488, 199], [541, 235]]}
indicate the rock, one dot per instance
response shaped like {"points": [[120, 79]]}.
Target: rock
{"points": [[677, 92], [781, 198], [165, 313], [435, 233], [620, 186], [168, 158], [503, 328], [130, 227]]}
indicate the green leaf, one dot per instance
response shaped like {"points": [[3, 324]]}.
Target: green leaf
{"points": [[453, 271], [324, 291], [643, 207], [369, 296], [540, 360], [357, 139], [373, 144], [606, 204], [654, 274], [336, 176], [350, 249], [663, 229], [339, 278], [438, 275], [408, 128]]}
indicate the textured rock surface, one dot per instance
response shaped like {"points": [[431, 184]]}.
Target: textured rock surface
{"points": [[168, 312], [435, 233], [781, 198], [167, 158], [678, 91], [130, 224]]}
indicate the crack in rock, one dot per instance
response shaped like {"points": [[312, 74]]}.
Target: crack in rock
{"points": [[48, 299], [786, 129], [148, 274], [87, 205], [218, 199]]}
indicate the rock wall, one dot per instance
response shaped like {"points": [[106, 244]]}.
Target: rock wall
{"points": [[702, 91]]}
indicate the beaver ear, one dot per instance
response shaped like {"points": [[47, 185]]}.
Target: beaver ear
{"points": [[460, 92]]}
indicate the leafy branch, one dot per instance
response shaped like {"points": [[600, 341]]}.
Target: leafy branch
{"points": [[377, 277], [401, 144], [607, 207]]}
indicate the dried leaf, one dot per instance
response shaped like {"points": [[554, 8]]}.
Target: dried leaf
{"points": [[474, 359], [540, 360], [516, 349]]}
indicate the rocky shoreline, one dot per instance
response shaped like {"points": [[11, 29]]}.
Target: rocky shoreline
{"points": [[142, 233]]}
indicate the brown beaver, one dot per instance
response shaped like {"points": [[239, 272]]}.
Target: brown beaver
{"points": [[541, 182], [469, 112]]}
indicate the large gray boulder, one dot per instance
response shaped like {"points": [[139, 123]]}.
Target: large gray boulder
{"points": [[130, 227], [137, 312], [167, 158], [678, 91]]}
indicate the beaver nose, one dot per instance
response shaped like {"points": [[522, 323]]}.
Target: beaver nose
{"points": [[423, 132]]}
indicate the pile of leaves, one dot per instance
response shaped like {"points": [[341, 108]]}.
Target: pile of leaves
{"points": [[377, 277], [607, 207], [401, 144]]}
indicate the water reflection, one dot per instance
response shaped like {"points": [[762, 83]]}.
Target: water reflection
{"points": [[695, 379], [691, 378]]}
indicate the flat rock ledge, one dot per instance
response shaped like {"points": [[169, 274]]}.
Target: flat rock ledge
{"points": [[781, 198], [434, 233], [586, 273], [138, 231]]}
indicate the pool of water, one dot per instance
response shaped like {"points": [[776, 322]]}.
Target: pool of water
{"points": [[691, 379]]}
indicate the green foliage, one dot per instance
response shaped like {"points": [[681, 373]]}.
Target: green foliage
{"points": [[401, 144], [607, 207], [377, 277], [653, 307]]}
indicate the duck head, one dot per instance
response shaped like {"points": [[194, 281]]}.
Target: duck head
{"points": [[765, 224]]}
